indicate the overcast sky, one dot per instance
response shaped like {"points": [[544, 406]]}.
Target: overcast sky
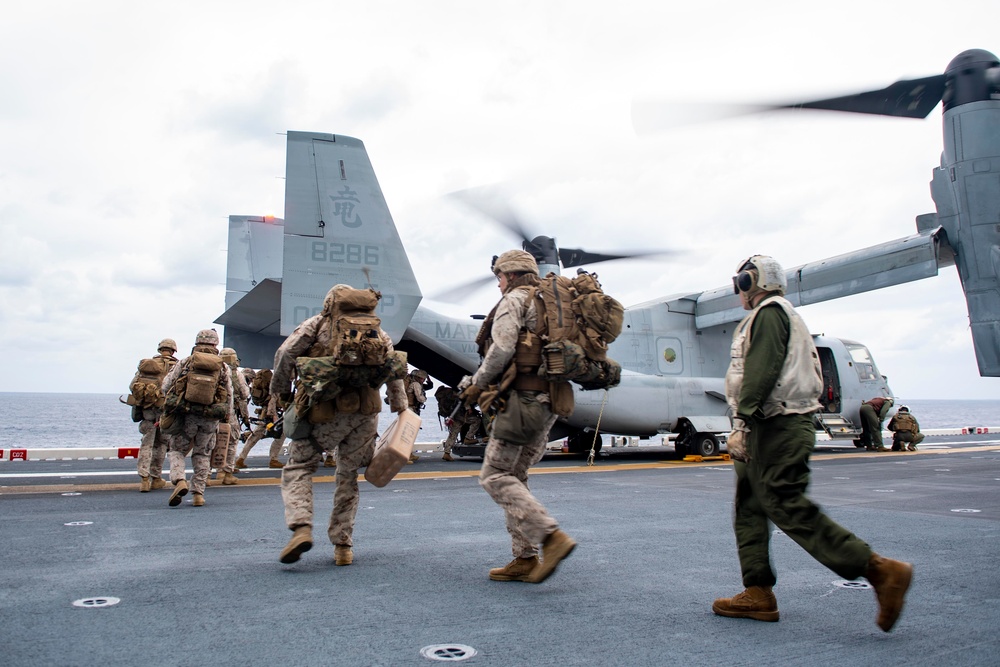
{"points": [[129, 132]]}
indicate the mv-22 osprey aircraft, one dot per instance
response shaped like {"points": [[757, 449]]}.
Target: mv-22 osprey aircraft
{"points": [[674, 350]]}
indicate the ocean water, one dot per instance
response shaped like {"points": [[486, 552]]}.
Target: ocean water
{"points": [[33, 421], [98, 420]]}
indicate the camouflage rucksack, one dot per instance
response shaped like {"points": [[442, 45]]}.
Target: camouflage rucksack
{"points": [[260, 387], [355, 329], [579, 322], [145, 390], [447, 400]]}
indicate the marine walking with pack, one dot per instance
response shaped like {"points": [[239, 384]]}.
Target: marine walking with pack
{"points": [[199, 397], [146, 398], [338, 360], [533, 343], [268, 412]]}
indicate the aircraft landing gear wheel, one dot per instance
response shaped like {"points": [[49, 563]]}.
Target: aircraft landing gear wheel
{"points": [[706, 444]]}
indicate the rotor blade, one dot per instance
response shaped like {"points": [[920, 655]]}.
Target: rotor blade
{"points": [[490, 203], [912, 98], [570, 257], [908, 98], [651, 116], [459, 292]]}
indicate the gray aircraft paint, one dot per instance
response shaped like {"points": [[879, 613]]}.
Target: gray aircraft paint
{"points": [[674, 350]]}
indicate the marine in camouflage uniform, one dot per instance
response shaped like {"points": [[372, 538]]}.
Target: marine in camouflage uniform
{"points": [[153, 446], [906, 430], [350, 434], [772, 386], [504, 474], [415, 396], [268, 415], [238, 415], [198, 433]]}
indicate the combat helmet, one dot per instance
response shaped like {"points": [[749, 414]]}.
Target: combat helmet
{"points": [[167, 344], [515, 261], [207, 337], [759, 273]]}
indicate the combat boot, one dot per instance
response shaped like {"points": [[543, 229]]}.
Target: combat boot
{"points": [[557, 546], [413, 458], [516, 570], [447, 457], [240, 463], [329, 462], [911, 448], [300, 543], [198, 499], [157, 483], [144, 485], [342, 555], [180, 490], [890, 579], [229, 479], [275, 463], [756, 602]]}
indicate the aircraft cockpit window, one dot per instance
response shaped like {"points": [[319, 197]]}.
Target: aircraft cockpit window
{"points": [[863, 362]]}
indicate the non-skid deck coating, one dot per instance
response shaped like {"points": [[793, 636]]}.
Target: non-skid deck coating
{"points": [[204, 586]]}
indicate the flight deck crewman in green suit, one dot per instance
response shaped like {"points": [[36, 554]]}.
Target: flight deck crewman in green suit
{"points": [[773, 386]]}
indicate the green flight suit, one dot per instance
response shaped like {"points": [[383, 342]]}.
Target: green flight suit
{"points": [[772, 485]]}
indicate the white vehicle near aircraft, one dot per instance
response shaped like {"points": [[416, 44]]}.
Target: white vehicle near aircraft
{"points": [[674, 350]]}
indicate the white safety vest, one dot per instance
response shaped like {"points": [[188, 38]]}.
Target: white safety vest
{"points": [[800, 382]]}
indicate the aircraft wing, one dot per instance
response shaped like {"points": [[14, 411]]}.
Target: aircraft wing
{"points": [[893, 263]]}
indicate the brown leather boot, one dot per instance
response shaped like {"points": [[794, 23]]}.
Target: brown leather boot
{"points": [[275, 463], [229, 479], [240, 463], [157, 483], [300, 543], [144, 485], [329, 462], [890, 579], [447, 457], [342, 554], [180, 490], [756, 602], [198, 499], [516, 570], [557, 546]]}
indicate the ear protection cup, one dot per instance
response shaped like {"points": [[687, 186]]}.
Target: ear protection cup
{"points": [[745, 281]]}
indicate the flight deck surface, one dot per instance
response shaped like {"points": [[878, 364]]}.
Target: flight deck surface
{"points": [[655, 548]]}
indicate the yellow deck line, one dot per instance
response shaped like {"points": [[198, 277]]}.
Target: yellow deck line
{"points": [[439, 474]]}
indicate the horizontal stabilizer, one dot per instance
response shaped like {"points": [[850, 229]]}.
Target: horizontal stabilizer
{"points": [[893, 263], [258, 311]]}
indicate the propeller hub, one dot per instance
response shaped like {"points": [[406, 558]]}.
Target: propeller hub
{"points": [[971, 77]]}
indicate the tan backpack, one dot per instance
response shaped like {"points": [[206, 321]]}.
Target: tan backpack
{"points": [[203, 376], [355, 330], [260, 387], [579, 322], [145, 390]]}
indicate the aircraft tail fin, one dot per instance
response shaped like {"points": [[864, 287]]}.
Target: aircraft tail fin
{"points": [[338, 230]]}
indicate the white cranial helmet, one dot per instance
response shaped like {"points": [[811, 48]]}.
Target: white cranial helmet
{"points": [[760, 272]]}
